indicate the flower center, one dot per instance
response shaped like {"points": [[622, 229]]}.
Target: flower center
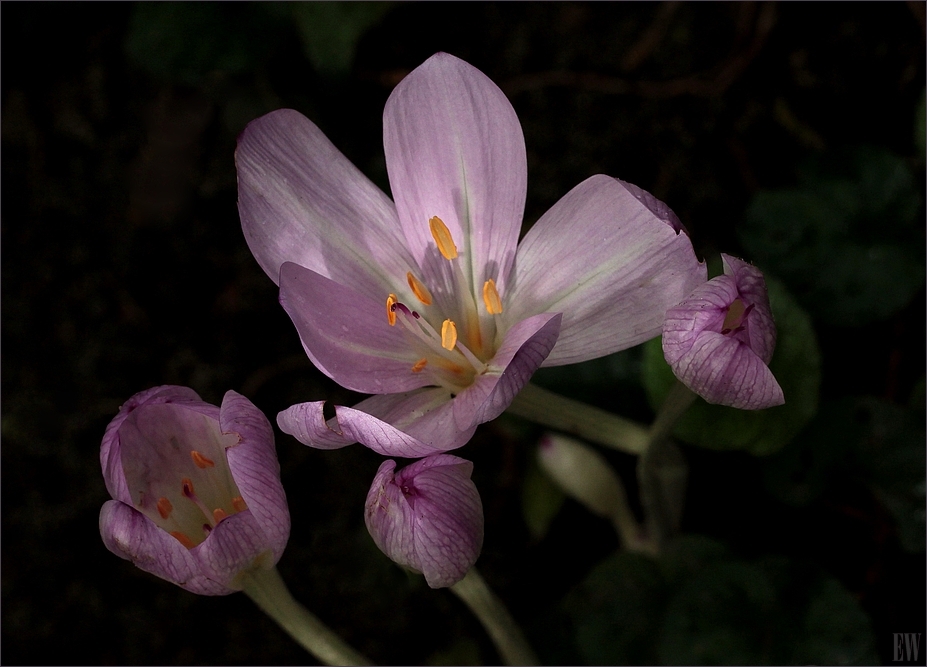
{"points": [[735, 318], [453, 335], [181, 478]]}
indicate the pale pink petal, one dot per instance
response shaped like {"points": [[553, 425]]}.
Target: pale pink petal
{"points": [[759, 325], [455, 150], [238, 543], [131, 535], [522, 352], [726, 371], [703, 310], [300, 200], [255, 469], [611, 261], [347, 335], [306, 422]]}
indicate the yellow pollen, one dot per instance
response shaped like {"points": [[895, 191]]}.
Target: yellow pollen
{"points": [[448, 335], [218, 514], [734, 315], [183, 539], [418, 288], [443, 238], [239, 504], [164, 507], [491, 297], [391, 301], [200, 460], [419, 365]]}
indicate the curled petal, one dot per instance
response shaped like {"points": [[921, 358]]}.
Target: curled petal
{"points": [[302, 201], [237, 544], [751, 286], [611, 261], [455, 150], [703, 310], [428, 517]]}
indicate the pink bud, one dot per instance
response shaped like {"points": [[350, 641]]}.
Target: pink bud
{"points": [[428, 517], [719, 340]]}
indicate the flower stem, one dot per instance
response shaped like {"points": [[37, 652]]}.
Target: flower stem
{"points": [[594, 424], [267, 590], [508, 638]]}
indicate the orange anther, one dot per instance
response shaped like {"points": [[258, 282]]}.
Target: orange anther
{"points": [[218, 514], [390, 311], [239, 504], [448, 335], [491, 297], [442, 236], [183, 539], [164, 507], [419, 365], [418, 288], [200, 460]]}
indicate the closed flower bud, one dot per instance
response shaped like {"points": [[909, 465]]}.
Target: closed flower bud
{"points": [[719, 340], [427, 517], [197, 498]]}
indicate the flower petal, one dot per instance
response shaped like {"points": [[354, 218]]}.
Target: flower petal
{"points": [[522, 352], [611, 261], [725, 371], [235, 545], [448, 518], [455, 150], [111, 447], [759, 325], [347, 335], [131, 535], [389, 518], [426, 413], [301, 200], [256, 470], [704, 309]]}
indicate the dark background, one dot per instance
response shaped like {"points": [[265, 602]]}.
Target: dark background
{"points": [[124, 267]]}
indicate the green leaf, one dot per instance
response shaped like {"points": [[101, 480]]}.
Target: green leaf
{"points": [[616, 611], [796, 365], [330, 31]]}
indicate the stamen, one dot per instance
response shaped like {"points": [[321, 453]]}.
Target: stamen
{"points": [[239, 504], [419, 365], [491, 297], [200, 460], [735, 315], [443, 238], [183, 539], [418, 288], [186, 487], [218, 514], [448, 335], [391, 302], [164, 507]]}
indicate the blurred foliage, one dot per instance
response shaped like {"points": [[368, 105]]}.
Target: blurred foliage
{"points": [[796, 364], [541, 500], [848, 241], [330, 31], [701, 605]]}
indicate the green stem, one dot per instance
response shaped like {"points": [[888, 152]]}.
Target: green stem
{"points": [[508, 638], [268, 591], [594, 424]]}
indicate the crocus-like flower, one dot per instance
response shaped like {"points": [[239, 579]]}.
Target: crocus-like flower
{"points": [[431, 304], [196, 489], [427, 517], [719, 340]]}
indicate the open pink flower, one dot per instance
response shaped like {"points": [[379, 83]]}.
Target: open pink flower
{"points": [[427, 517], [196, 489], [720, 339], [431, 304]]}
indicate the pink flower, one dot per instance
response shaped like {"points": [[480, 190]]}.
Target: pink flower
{"points": [[428, 517], [431, 304], [720, 339], [196, 489]]}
